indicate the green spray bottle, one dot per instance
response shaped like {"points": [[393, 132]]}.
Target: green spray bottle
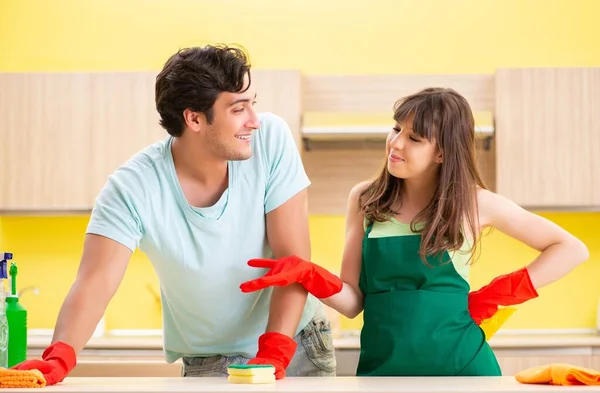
{"points": [[16, 315]]}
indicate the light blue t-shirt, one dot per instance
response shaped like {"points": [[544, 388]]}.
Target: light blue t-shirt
{"points": [[200, 254]]}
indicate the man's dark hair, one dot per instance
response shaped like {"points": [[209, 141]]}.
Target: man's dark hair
{"points": [[193, 78]]}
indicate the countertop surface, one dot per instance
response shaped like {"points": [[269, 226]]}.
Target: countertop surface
{"points": [[308, 384], [351, 342]]}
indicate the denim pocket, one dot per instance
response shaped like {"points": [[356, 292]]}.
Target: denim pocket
{"points": [[318, 344], [212, 366]]}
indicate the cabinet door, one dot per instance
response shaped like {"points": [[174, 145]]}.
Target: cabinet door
{"points": [[45, 141], [63, 134], [595, 135], [513, 364], [124, 120], [279, 91], [546, 127]]}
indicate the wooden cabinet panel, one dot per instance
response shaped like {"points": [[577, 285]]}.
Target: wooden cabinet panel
{"points": [[335, 167], [512, 364], [594, 126], [123, 120], [280, 92], [595, 362], [511, 361], [46, 141], [126, 368], [546, 126], [63, 134]]}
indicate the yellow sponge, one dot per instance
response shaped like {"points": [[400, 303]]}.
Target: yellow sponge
{"points": [[251, 373]]}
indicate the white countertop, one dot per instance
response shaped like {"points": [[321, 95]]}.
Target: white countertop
{"points": [[351, 342], [308, 384]]}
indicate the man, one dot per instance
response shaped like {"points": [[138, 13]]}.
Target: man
{"points": [[227, 185]]}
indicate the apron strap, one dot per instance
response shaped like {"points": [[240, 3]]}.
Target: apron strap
{"points": [[368, 230]]}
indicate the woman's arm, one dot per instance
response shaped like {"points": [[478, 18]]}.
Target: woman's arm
{"points": [[340, 293], [349, 301], [560, 252]]}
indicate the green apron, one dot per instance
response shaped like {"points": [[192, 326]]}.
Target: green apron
{"points": [[416, 318]]}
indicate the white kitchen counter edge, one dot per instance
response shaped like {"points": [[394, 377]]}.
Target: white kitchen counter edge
{"points": [[309, 384]]}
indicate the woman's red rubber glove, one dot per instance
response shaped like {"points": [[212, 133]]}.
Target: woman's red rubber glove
{"points": [[289, 270], [506, 290], [277, 350]]}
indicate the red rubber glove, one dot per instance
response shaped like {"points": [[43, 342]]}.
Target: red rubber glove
{"points": [[58, 361], [277, 350], [289, 270], [506, 290]]}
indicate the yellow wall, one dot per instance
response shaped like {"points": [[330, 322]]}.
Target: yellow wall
{"points": [[567, 304], [47, 247], [428, 36], [333, 36]]}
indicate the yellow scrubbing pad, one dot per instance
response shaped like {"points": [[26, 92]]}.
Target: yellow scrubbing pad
{"points": [[10, 378], [251, 373], [491, 325]]}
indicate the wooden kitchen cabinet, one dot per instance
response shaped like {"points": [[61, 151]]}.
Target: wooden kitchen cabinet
{"points": [[63, 134], [126, 368], [123, 120], [334, 167], [513, 364], [548, 136], [45, 146], [511, 361]]}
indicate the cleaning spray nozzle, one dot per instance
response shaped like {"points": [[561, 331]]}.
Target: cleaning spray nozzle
{"points": [[13, 278], [7, 256]]}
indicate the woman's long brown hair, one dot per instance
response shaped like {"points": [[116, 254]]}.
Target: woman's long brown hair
{"points": [[444, 117]]}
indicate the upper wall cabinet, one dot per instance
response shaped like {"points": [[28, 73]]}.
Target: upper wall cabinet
{"points": [[280, 92], [46, 141], [548, 136], [63, 134]]}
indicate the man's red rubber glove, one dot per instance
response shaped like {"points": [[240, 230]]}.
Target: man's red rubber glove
{"points": [[506, 290], [58, 361], [289, 270], [277, 350]]}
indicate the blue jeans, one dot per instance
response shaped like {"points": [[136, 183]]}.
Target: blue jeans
{"points": [[315, 355]]}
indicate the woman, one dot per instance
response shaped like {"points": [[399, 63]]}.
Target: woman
{"points": [[411, 235]]}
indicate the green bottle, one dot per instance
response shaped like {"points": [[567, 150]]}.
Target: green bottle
{"points": [[16, 315]]}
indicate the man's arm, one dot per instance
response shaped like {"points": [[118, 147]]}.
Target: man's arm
{"points": [[288, 234], [113, 232], [101, 270], [286, 212]]}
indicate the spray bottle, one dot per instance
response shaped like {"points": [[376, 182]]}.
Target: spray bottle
{"points": [[3, 321], [16, 315]]}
